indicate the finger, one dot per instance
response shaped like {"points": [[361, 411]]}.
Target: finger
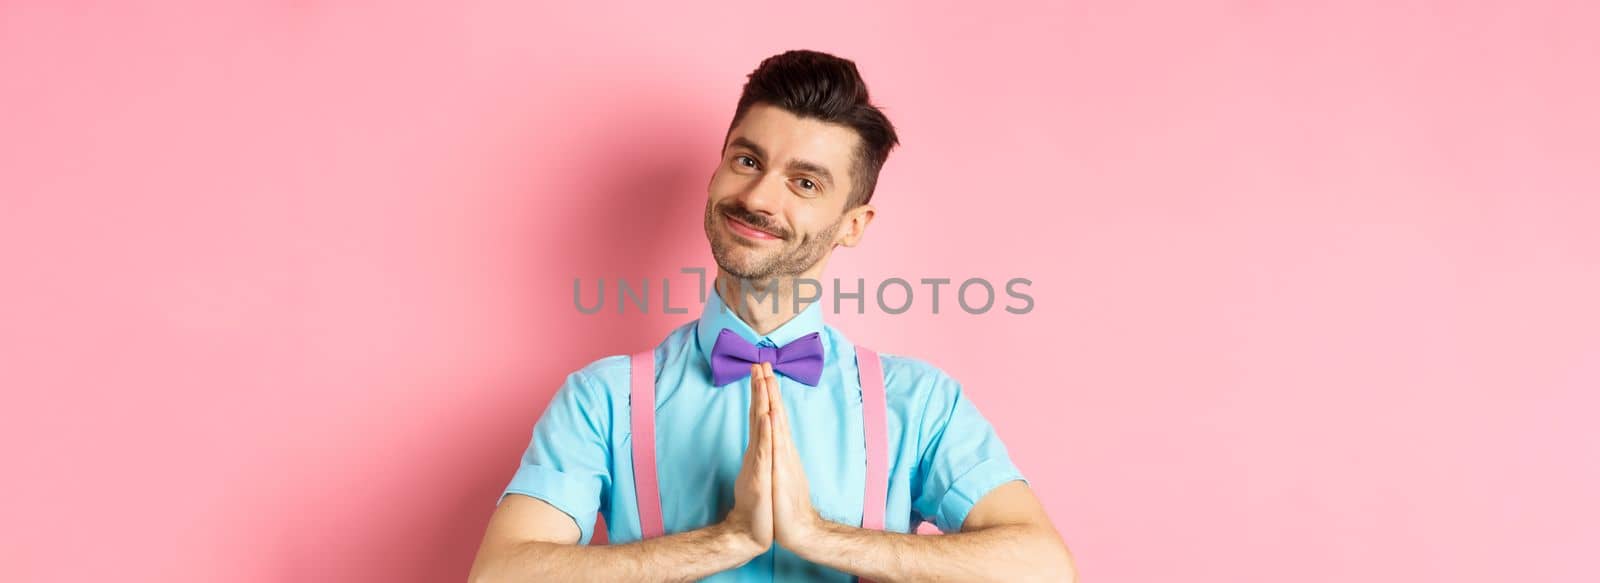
{"points": [[771, 383], [780, 409], [757, 414], [763, 397], [764, 447], [771, 465], [757, 393], [766, 394]]}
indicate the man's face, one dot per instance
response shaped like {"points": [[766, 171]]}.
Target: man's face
{"points": [[777, 199]]}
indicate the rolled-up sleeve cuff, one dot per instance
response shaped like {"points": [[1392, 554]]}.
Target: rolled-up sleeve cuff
{"points": [[972, 487], [569, 494]]}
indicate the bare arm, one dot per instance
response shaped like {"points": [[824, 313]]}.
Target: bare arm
{"points": [[1006, 537], [530, 540]]}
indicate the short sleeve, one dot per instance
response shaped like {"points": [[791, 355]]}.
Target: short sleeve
{"points": [[567, 460], [962, 458]]}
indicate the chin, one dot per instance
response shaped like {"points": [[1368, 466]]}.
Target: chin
{"points": [[740, 263]]}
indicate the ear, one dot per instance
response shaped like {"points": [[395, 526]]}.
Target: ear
{"points": [[854, 226]]}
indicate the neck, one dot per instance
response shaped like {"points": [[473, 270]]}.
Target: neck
{"points": [[766, 304]]}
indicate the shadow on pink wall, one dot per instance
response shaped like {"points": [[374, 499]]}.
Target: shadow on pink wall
{"points": [[618, 228]]}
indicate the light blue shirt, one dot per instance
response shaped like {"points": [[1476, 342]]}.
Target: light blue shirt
{"points": [[944, 455]]}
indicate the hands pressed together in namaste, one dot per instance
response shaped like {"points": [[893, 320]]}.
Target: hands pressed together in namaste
{"points": [[771, 499]]}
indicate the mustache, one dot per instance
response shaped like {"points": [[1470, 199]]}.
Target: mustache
{"points": [[745, 216]]}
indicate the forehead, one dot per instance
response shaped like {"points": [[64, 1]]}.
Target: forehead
{"points": [[784, 137]]}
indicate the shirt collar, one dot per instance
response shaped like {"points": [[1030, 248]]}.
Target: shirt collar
{"points": [[716, 315]]}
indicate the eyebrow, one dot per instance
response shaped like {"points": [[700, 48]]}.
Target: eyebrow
{"points": [[802, 165]]}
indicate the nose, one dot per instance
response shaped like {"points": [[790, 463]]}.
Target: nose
{"points": [[764, 195]]}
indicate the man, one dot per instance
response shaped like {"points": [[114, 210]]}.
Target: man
{"points": [[761, 475]]}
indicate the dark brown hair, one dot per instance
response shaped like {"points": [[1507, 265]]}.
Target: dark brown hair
{"points": [[811, 84]]}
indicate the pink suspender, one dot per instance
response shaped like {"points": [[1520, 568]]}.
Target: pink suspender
{"points": [[642, 405], [873, 406]]}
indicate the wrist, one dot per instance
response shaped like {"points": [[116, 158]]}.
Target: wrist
{"points": [[807, 539], [737, 542]]}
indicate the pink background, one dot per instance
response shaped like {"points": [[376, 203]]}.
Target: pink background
{"points": [[288, 283]]}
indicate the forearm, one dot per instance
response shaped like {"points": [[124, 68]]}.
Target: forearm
{"points": [[684, 556], [1001, 553]]}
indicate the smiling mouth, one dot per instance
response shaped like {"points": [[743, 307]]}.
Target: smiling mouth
{"points": [[747, 231]]}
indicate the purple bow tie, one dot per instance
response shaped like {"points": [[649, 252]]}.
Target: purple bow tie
{"points": [[732, 356]]}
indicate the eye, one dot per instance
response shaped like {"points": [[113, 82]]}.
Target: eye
{"points": [[744, 161], [806, 183]]}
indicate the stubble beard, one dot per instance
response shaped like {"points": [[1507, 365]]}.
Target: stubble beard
{"points": [[746, 262]]}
